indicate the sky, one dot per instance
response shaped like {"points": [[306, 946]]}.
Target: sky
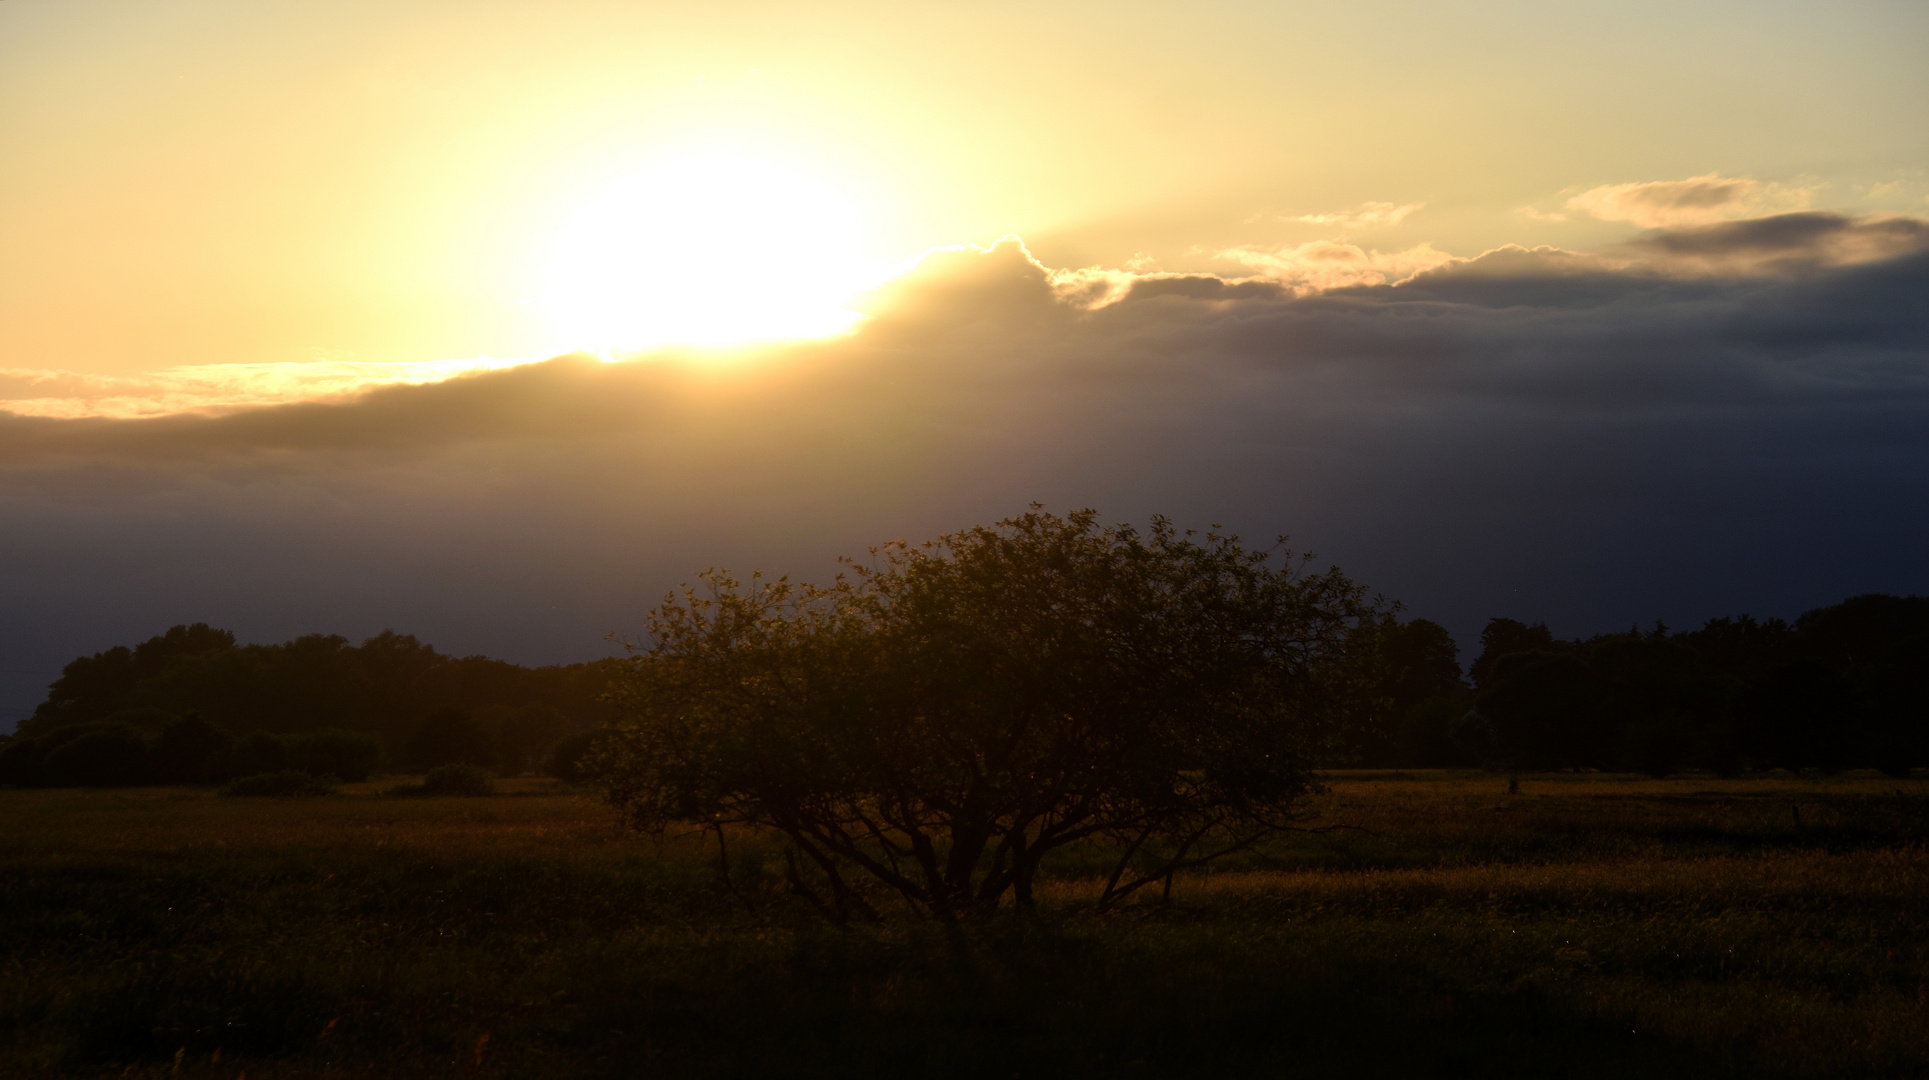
{"points": [[490, 322]]}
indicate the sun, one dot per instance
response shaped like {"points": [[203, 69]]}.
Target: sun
{"points": [[711, 247]]}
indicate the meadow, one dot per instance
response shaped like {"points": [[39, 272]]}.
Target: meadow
{"points": [[1428, 924]]}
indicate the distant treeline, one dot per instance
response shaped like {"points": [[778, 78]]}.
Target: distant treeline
{"points": [[1841, 687], [191, 706]]}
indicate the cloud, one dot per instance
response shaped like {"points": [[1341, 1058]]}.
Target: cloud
{"points": [[1783, 243], [211, 388], [1368, 215], [1591, 439], [1331, 264], [1698, 200], [1005, 274]]}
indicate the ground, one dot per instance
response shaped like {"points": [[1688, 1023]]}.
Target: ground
{"points": [[1587, 926]]}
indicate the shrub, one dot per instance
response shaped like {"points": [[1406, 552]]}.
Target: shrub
{"points": [[449, 737], [567, 759], [20, 763], [108, 756], [192, 751], [521, 735], [457, 779], [258, 752], [283, 784], [460, 779]]}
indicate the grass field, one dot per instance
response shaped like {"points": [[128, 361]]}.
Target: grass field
{"points": [[1587, 926]]}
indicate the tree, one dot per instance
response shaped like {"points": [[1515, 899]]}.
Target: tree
{"points": [[1899, 713], [1544, 710], [107, 755], [345, 755], [1860, 630], [1802, 715], [522, 736], [258, 752], [382, 687], [192, 751], [91, 687], [449, 737], [1656, 701], [1410, 690], [942, 720], [1506, 637], [567, 761], [1424, 663]]}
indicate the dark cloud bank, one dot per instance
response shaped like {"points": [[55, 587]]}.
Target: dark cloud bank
{"points": [[1529, 434]]}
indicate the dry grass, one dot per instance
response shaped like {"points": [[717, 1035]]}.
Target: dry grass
{"points": [[1587, 926]]}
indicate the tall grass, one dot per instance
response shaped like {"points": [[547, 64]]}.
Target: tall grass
{"points": [[1590, 926]]}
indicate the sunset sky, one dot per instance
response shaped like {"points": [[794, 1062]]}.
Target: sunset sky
{"points": [[1589, 312]]}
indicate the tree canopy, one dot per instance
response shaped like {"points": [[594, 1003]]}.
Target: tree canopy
{"points": [[1845, 686], [192, 706], [942, 718]]}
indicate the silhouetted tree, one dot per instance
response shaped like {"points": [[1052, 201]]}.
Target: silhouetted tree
{"points": [[1505, 637], [1403, 672], [192, 751], [449, 737], [1898, 707], [1859, 631], [108, 755], [1544, 710], [1802, 715], [943, 720], [1423, 663], [521, 735], [1839, 688], [20, 762], [94, 687], [258, 752], [1437, 734], [345, 755], [383, 687], [569, 759], [1655, 701], [1740, 650]]}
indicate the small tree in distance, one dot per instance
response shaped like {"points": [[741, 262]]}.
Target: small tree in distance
{"points": [[944, 718]]}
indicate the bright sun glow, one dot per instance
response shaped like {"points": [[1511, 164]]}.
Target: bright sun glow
{"points": [[709, 247]]}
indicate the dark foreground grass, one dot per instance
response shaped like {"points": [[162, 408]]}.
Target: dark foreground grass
{"points": [[1590, 926]]}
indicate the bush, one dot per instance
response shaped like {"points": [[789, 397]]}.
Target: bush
{"points": [[283, 784], [108, 756], [450, 737], [457, 779], [566, 759], [192, 751], [1434, 735], [20, 763], [258, 752], [351, 755], [521, 735]]}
